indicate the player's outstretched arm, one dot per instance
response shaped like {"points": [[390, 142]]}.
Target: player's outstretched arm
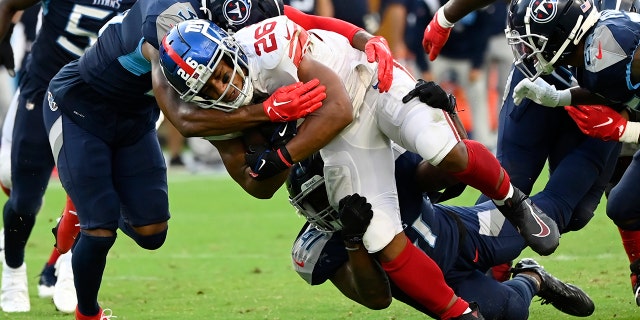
{"points": [[437, 32], [193, 121], [376, 47]]}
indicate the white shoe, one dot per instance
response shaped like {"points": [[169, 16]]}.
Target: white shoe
{"points": [[64, 293], [14, 295]]}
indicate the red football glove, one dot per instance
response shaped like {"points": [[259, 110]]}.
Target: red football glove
{"points": [[599, 121], [294, 101], [377, 49], [435, 36]]}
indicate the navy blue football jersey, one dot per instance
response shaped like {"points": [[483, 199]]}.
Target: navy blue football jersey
{"points": [[608, 54], [115, 67], [68, 28]]}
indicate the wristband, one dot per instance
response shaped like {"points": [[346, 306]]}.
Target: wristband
{"points": [[564, 97], [442, 20], [631, 133]]}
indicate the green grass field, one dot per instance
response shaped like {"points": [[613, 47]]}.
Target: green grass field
{"points": [[227, 257]]}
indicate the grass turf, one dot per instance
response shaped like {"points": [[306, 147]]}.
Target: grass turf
{"points": [[227, 257]]}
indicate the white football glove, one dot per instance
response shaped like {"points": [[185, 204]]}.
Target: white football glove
{"points": [[540, 92]]}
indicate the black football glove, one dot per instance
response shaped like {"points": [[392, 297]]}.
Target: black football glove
{"points": [[355, 214], [433, 95], [278, 133], [266, 163], [6, 53]]}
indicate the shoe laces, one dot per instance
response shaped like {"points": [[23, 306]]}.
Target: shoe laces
{"points": [[107, 314]]}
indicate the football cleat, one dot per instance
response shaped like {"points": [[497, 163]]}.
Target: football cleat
{"points": [[47, 281], [14, 295], [539, 231], [64, 293], [473, 315], [103, 314], [563, 296], [635, 284]]}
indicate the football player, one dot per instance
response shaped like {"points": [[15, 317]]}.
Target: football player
{"points": [[529, 134], [68, 28], [463, 241], [605, 58], [101, 116], [206, 65]]}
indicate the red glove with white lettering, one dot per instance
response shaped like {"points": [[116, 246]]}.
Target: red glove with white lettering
{"points": [[294, 101], [436, 35], [604, 123], [377, 49]]}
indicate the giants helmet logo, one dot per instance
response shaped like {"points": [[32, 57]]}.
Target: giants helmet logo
{"points": [[236, 11], [543, 11]]}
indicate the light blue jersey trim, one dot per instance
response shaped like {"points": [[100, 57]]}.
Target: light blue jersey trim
{"points": [[135, 62], [45, 7]]}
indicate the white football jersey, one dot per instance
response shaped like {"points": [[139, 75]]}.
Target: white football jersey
{"points": [[276, 46]]}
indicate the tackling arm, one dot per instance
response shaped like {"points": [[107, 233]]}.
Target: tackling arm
{"points": [[376, 47], [455, 10], [362, 280], [232, 153]]}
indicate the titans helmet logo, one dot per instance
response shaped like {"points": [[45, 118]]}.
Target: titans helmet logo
{"points": [[236, 11], [543, 11]]}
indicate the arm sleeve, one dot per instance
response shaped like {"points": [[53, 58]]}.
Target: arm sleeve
{"points": [[309, 22]]}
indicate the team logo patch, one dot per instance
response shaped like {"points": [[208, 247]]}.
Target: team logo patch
{"points": [[236, 11], [543, 11]]}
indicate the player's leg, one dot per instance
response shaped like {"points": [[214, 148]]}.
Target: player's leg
{"points": [[496, 300], [141, 182], [350, 159], [31, 165], [576, 185], [623, 208], [428, 132], [84, 167], [48, 276]]}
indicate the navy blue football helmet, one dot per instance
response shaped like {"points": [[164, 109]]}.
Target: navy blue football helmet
{"points": [[189, 54], [543, 32], [233, 15], [307, 193]]}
